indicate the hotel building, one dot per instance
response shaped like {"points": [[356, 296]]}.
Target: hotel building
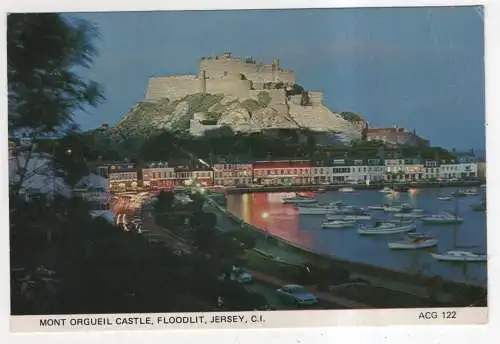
{"points": [[282, 172], [158, 176], [232, 174], [122, 177]]}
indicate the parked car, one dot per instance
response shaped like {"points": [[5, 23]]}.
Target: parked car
{"points": [[296, 294], [238, 275]]}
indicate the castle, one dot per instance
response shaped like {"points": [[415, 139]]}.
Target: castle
{"points": [[244, 78]]}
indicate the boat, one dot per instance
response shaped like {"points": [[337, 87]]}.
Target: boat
{"points": [[471, 192], [298, 200], [442, 219], [386, 190], [411, 215], [387, 228], [338, 224], [445, 198], [483, 186], [392, 209], [459, 256], [459, 193], [413, 241], [314, 210], [346, 189], [377, 207], [348, 217]]}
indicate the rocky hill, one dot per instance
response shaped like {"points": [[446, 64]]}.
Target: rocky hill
{"points": [[197, 113]]}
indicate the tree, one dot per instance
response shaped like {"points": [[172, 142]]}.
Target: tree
{"points": [[44, 53]]}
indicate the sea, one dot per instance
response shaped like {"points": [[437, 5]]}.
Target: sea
{"points": [[267, 211]]}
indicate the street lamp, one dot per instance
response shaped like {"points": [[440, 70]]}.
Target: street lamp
{"points": [[265, 217]]}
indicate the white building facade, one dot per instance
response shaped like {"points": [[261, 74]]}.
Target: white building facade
{"points": [[353, 171], [458, 171], [232, 174]]}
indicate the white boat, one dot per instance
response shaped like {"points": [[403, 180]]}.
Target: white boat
{"points": [[387, 228], [338, 224], [413, 242], [346, 189], [348, 217], [377, 207], [441, 219], [483, 186], [471, 192], [409, 215], [386, 190], [445, 198], [392, 209], [459, 256], [299, 200], [314, 210]]}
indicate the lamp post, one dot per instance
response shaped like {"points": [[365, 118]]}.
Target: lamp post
{"points": [[265, 217]]}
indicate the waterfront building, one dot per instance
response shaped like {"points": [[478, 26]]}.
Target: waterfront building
{"points": [[481, 170], [282, 172], [122, 177], [232, 174], [396, 136], [431, 170], [339, 171], [394, 169], [458, 170], [184, 175], [158, 175]]}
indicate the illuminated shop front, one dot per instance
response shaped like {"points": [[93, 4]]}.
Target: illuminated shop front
{"points": [[156, 176], [122, 177], [285, 172], [232, 174]]}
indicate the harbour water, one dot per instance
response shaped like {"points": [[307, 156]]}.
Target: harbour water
{"points": [[266, 211]]}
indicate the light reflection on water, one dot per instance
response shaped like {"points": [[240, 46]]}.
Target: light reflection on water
{"points": [[266, 211]]}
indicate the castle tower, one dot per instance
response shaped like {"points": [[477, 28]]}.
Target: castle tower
{"points": [[203, 83]]}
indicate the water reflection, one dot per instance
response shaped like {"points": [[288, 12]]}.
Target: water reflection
{"points": [[266, 211]]}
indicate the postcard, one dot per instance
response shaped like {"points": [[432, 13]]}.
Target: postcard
{"points": [[200, 170]]}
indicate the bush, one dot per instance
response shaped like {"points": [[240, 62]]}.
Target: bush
{"points": [[264, 98]]}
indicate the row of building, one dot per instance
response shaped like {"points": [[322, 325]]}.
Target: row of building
{"points": [[287, 172]]}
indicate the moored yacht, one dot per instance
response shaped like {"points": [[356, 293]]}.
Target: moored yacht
{"points": [[338, 224], [460, 256], [414, 241], [346, 189], [348, 217], [445, 218], [299, 200], [387, 228], [386, 190], [409, 215]]}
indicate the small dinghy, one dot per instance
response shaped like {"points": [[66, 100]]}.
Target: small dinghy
{"points": [[386, 190], [445, 198], [459, 256], [414, 241]]}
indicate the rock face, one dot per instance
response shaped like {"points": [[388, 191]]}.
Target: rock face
{"points": [[250, 114]]}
